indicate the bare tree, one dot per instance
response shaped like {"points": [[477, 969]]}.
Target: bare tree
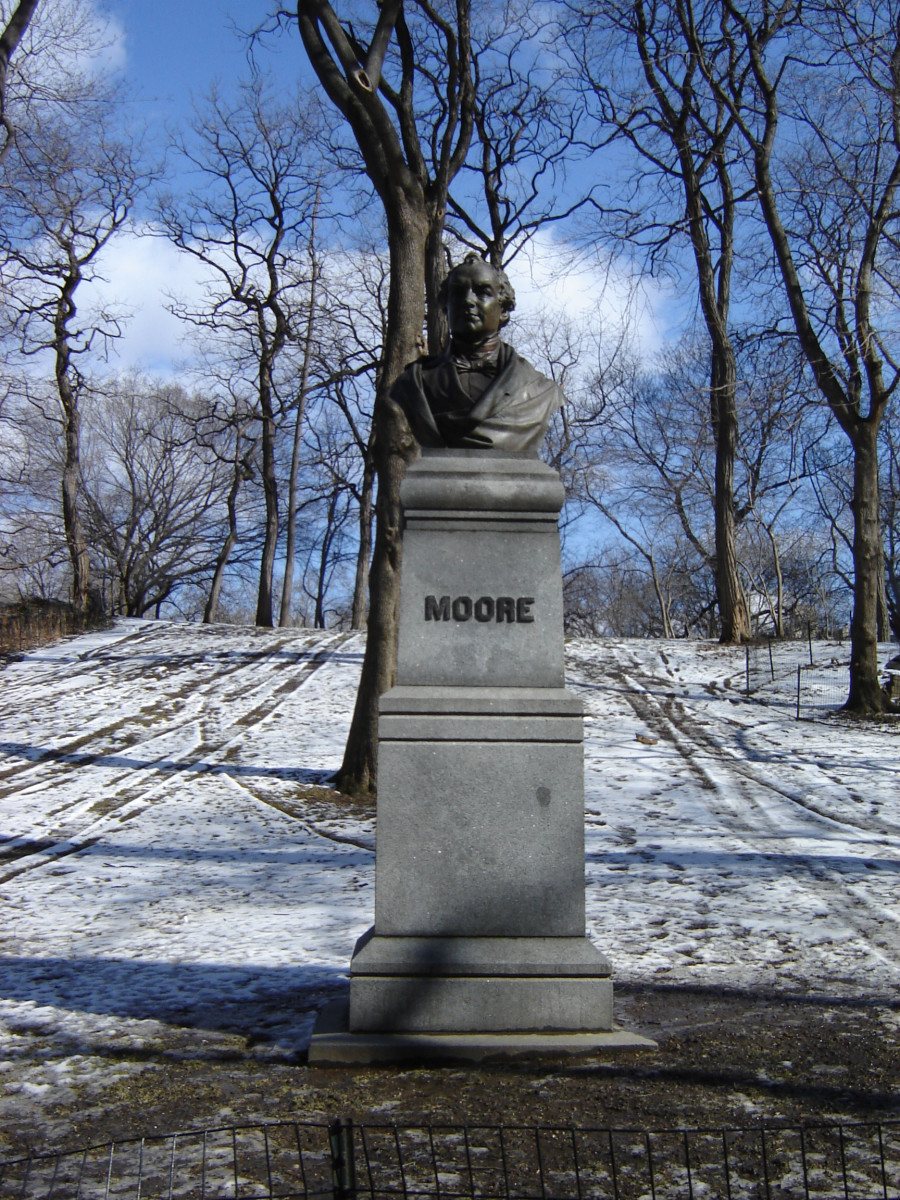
{"points": [[306, 339], [10, 39], [826, 180], [67, 192], [890, 506], [650, 94], [241, 445], [54, 63], [405, 89], [248, 222], [152, 492], [527, 133], [646, 467], [359, 318]]}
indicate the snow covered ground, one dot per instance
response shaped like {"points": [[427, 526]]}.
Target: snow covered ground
{"points": [[169, 871]]}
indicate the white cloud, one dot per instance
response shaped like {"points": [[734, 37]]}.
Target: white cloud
{"points": [[141, 272], [66, 40], [549, 277]]}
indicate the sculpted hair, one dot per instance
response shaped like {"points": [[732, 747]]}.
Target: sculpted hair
{"points": [[507, 295]]}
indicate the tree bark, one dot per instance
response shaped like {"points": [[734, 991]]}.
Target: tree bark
{"points": [[700, 147], [884, 612], [9, 41], [435, 272], [264, 608], [868, 560], [413, 191], [324, 554], [859, 342], [393, 447], [733, 613], [287, 587], [74, 529], [71, 473], [360, 590], [660, 599], [715, 296], [210, 612]]}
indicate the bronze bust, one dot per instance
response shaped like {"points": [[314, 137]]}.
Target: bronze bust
{"points": [[479, 394]]}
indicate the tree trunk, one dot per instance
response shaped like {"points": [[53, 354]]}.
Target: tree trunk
{"points": [[324, 555], [714, 278], [78, 551], [412, 182], [71, 473], [10, 38], [264, 611], [866, 695], [661, 600], [435, 273], [735, 620], [360, 591], [393, 448], [287, 587], [215, 590], [779, 583], [884, 619], [714, 262]]}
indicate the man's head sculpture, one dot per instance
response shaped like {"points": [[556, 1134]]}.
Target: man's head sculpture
{"points": [[479, 394], [475, 266]]}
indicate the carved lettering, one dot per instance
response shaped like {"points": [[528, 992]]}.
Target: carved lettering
{"points": [[509, 609], [523, 609], [437, 610], [506, 609], [462, 608], [484, 609]]}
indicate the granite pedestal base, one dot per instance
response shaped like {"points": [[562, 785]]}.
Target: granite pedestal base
{"points": [[332, 1045], [479, 877], [477, 985]]}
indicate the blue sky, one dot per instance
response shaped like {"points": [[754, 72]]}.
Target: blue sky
{"points": [[176, 49], [172, 51]]}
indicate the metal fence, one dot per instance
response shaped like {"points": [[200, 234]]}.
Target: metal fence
{"points": [[767, 662], [811, 678], [822, 688], [344, 1162]]}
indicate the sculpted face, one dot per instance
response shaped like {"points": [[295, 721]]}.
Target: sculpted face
{"points": [[474, 311]]}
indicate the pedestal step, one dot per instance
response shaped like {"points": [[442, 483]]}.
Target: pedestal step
{"points": [[430, 985], [333, 1045]]}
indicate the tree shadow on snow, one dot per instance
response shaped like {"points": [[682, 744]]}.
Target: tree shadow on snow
{"points": [[275, 1006], [39, 754]]}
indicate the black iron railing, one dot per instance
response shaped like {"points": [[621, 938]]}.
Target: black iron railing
{"points": [[442, 1162]]}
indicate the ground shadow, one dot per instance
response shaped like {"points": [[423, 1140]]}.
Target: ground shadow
{"points": [[260, 1003]]}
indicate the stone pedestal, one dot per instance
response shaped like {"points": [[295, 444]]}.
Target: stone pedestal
{"points": [[479, 878]]}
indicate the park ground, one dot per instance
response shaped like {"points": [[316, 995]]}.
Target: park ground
{"points": [[181, 890]]}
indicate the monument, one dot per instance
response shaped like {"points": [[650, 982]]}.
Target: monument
{"points": [[479, 945]]}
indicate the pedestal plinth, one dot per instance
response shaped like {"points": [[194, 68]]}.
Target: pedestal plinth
{"points": [[479, 878]]}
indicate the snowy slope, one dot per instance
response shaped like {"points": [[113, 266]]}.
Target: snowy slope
{"points": [[166, 864]]}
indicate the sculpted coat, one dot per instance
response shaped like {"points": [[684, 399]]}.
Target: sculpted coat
{"points": [[507, 411]]}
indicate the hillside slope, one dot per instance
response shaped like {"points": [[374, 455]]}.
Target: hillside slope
{"points": [[175, 872]]}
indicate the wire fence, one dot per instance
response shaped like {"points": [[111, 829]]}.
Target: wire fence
{"points": [[812, 678], [767, 662], [822, 689], [370, 1162]]}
